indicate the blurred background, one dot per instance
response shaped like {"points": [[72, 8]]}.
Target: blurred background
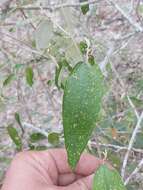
{"points": [[40, 42]]}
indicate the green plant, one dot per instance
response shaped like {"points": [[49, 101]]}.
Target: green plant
{"points": [[57, 52]]}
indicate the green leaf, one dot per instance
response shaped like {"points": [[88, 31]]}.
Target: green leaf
{"points": [[83, 47], [15, 137], [91, 59], [8, 79], [107, 179], [82, 99], [84, 8], [18, 66], [53, 138], [37, 137], [29, 76], [63, 63], [57, 75], [49, 82], [44, 34], [17, 118]]}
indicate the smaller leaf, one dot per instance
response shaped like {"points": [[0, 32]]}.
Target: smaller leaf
{"points": [[84, 8], [57, 75], [37, 137], [15, 137], [29, 75], [83, 47], [17, 118], [8, 79], [63, 63], [12, 29], [91, 60], [106, 178], [18, 66], [53, 138], [49, 82]]}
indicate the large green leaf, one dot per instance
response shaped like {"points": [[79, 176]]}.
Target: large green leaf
{"points": [[82, 99], [107, 179]]}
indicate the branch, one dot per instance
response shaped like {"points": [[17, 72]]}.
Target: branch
{"points": [[133, 107], [138, 125], [54, 7], [104, 63], [30, 126], [125, 15], [117, 147], [137, 169]]}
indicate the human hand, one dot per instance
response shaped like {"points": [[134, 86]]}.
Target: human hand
{"points": [[49, 170]]}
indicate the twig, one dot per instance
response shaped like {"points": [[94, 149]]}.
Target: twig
{"points": [[139, 118], [30, 48], [117, 147], [54, 7], [106, 60], [133, 107], [25, 16], [30, 126], [138, 125], [132, 6], [137, 169], [49, 97], [127, 36], [125, 15]]}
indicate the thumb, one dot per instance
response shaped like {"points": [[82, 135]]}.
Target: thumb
{"points": [[82, 184]]}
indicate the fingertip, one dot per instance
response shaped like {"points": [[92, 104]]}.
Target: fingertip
{"points": [[88, 181], [88, 164], [85, 183]]}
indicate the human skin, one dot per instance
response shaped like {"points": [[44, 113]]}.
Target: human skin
{"points": [[49, 170]]}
